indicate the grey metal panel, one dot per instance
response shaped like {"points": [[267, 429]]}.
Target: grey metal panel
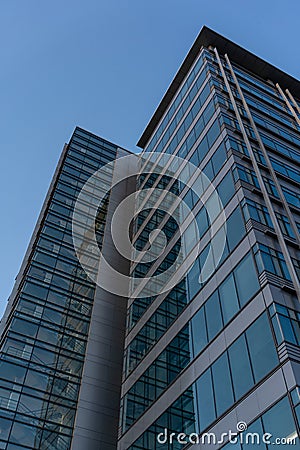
{"points": [[97, 416], [96, 423]]}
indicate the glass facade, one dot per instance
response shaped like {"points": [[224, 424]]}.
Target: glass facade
{"points": [[191, 366], [44, 342], [209, 351]]}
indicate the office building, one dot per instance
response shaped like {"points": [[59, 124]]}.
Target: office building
{"points": [[83, 367]]}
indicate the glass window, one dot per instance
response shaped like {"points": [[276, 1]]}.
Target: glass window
{"points": [[287, 329], [240, 367], [29, 308], [246, 279], [25, 434], [35, 290], [279, 421], [57, 298], [193, 280], [190, 237], [5, 426], [12, 372], [204, 94], [202, 221], [218, 244], [189, 199], [32, 406], [235, 228], [222, 384], [213, 315], [50, 336], [226, 188], [218, 158], [228, 298], [254, 441], [208, 170], [24, 327], [52, 440], [296, 328], [202, 149], [38, 380], [297, 411], [44, 357], [207, 114], [199, 333], [213, 133], [205, 397], [53, 316], [261, 347], [43, 258]]}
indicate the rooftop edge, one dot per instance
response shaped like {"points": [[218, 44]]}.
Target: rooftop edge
{"points": [[237, 54]]}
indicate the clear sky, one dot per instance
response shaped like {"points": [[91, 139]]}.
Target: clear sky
{"points": [[102, 65]]}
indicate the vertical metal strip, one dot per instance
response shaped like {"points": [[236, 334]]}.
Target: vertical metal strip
{"points": [[266, 197], [293, 100], [288, 104], [266, 155]]}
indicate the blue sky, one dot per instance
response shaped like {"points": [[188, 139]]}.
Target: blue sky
{"points": [[103, 65]]}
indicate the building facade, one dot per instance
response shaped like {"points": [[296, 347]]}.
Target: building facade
{"points": [[49, 369], [183, 367]]}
